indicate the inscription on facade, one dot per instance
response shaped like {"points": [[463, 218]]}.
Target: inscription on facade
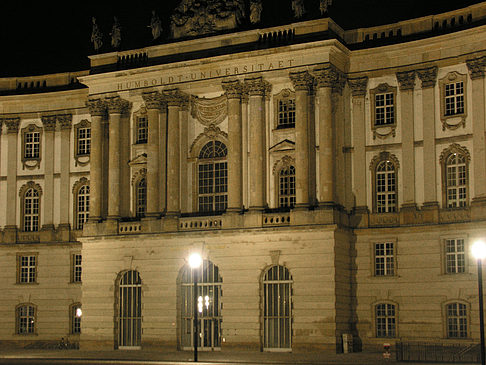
{"points": [[206, 74]]}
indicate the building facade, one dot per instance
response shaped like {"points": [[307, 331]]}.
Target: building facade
{"points": [[333, 182]]}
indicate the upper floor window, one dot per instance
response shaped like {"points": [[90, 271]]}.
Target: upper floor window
{"points": [[142, 129], [385, 320], [27, 268], [384, 259], [383, 110], [286, 188], [25, 319], [456, 315], [213, 177], [31, 146], [82, 206], [453, 100], [82, 142], [31, 211], [384, 169], [76, 267], [455, 166], [141, 197], [455, 256], [284, 106]]}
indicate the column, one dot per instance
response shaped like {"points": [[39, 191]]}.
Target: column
{"points": [[65, 122], [302, 82], [326, 77], [256, 92], [49, 123], [406, 82], [245, 147], [163, 157], [233, 93], [174, 99], [428, 77], [476, 70], [10, 230], [97, 109], [153, 104], [185, 190], [358, 89]]}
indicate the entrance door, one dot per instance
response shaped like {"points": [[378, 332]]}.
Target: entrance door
{"points": [[209, 307], [130, 311]]}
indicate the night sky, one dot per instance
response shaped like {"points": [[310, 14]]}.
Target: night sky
{"points": [[38, 39]]}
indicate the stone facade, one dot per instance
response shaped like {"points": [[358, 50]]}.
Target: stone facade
{"points": [[357, 170]]}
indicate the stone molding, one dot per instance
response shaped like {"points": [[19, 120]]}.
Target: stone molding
{"points": [[65, 120], [28, 185], [256, 86], [301, 80], [211, 132], [12, 124], [209, 111], [476, 67], [384, 156], [233, 88], [139, 174], [329, 76], [406, 80], [358, 85], [78, 184], [285, 161], [428, 76], [152, 100], [49, 122], [117, 105], [454, 148], [97, 107]]}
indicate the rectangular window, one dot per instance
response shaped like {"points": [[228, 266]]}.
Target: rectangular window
{"points": [[142, 130], [456, 320], [384, 109], [27, 268], [84, 141], [455, 256], [32, 145], [454, 98], [286, 113], [25, 320], [76, 313], [76, 268], [385, 320], [384, 259]]}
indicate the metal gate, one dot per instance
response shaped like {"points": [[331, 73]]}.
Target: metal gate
{"points": [[209, 306], [277, 309], [130, 311]]}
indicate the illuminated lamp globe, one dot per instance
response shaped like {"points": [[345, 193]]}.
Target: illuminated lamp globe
{"points": [[195, 260], [79, 312], [479, 250]]}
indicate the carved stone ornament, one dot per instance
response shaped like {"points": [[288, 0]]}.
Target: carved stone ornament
{"points": [[428, 76], [358, 85], [97, 107], [454, 148], [117, 105], [12, 124], [209, 111], [283, 162], [198, 17], [384, 156], [326, 76], [31, 161], [80, 159], [255, 86], [453, 121], [232, 88], [389, 129], [78, 184], [49, 122], [65, 120], [301, 80], [476, 67], [210, 133], [29, 185], [139, 174], [174, 97], [152, 100], [406, 80]]}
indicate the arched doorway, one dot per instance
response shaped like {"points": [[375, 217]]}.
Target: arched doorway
{"points": [[129, 311]]}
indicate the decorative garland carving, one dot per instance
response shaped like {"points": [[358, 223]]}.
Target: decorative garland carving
{"points": [[454, 148], [283, 162], [210, 133], [384, 156], [97, 107], [452, 122], [140, 174], [406, 80], [12, 124], [428, 76], [30, 185], [209, 111], [78, 184]]}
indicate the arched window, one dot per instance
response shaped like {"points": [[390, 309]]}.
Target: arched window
{"points": [[129, 311], [456, 314], [385, 320], [141, 197], [277, 308], [31, 210], [286, 188], [209, 305], [213, 177], [82, 206], [25, 319], [455, 166]]}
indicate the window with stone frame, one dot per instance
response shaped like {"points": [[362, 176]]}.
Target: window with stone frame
{"points": [[455, 255], [385, 320], [456, 320], [75, 313], [455, 176], [83, 138], [286, 187], [31, 146], [25, 319], [453, 100], [284, 109], [384, 168], [141, 197], [212, 177], [30, 200], [383, 110], [141, 129], [76, 267], [27, 268], [384, 253], [82, 206]]}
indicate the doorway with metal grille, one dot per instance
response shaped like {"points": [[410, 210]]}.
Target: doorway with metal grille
{"points": [[129, 311]]}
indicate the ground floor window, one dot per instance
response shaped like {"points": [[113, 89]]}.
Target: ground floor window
{"points": [[129, 310], [25, 319], [385, 316]]}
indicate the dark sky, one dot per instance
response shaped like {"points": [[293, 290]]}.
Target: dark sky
{"points": [[39, 38]]}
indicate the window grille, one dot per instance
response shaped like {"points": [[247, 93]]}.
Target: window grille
{"points": [[141, 198], [130, 310], [76, 319], [76, 268]]}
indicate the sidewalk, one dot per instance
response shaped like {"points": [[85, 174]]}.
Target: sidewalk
{"points": [[222, 357]]}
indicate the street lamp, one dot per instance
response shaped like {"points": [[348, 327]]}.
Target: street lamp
{"points": [[195, 261], [479, 252]]}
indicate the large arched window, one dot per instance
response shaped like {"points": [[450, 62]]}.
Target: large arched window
{"points": [[286, 187], [141, 197], [209, 303], [129, 310], [277, 308], [30, 206], [455, 166], [384, 168], [213, 177], [82, 206]]}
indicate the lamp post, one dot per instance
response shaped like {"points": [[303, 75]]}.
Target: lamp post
{"points": [[195, 262], [479, 252]]}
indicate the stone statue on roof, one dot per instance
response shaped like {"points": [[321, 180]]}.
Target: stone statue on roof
{"points": [[155, 25], [115, 33], [298, 8], [96, 36], [324, 5], [256, 8], [198, 17]]}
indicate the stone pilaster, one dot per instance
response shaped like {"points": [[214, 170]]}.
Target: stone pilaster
{"points": [[302, 82], [406, 82], [49, 123], [233, 91], [358, 89], [326, 78], [476, 68], [10, 229], [245, 145], [185, 181], [153, 103], [65, 122], [163, 157], [97, 109], [428, 77], [256, 91]]}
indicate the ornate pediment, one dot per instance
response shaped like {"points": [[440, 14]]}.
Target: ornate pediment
{"points": [[199, 17]]}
